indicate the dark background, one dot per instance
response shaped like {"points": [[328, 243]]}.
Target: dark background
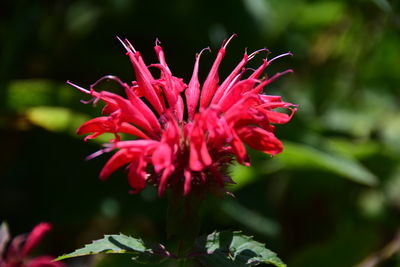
{"points": [[332, 198]]}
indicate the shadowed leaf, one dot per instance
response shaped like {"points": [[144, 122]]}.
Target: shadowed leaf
{"points": [[121, 244], [234, 249]]}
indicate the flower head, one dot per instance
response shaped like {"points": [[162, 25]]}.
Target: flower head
{"points": [[20, 247], [186, 134]]}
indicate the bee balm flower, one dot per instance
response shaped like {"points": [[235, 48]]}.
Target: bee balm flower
{"points": [[186, 135], [16, 254]]}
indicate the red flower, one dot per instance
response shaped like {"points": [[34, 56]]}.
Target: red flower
{"points": [[17, 253], [187, 134]]}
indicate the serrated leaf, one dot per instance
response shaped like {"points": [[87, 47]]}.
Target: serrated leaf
{"points": [[121, 244], [234, 249]]}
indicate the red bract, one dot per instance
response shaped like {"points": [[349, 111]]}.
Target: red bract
{"points": [[18, 251], [187, 134]]}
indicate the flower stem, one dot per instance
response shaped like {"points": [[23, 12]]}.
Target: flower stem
{"points": [[183, 222], [181, 263]]}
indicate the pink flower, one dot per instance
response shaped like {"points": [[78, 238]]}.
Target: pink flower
{"points": [[186, 135], [17, 253]]}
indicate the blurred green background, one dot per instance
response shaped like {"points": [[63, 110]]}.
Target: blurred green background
{"points": [[332, 198]]}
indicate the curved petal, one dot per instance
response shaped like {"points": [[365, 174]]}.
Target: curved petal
{"points": [[35, 237], [15, 249], [228, 81], [192, 92], [211, 83], [277, 117], [162, 157], [260, 139], [136, 144], [188, 182], [97, 125], [137, 174], [147, 113], [145, 81], [129, 113], [199, 155], [119, 159], [164, 179], [235, 93], [239, 150], [132, 130]]}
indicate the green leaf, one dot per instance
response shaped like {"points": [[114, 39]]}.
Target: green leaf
{"points": [[28, 93], [352, 149], [390, 132], [234, 249], [392, 187], [297, 156], [121, 244], [60, 119], [319, 13], [55, 119]]}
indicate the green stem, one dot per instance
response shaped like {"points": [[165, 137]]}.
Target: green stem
{"points": [[183, 221], [181, 262]]}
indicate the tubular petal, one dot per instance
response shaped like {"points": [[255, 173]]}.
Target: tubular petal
{"points": [[35, 237], [235, 93], [164, 179], [188, 182], [167, 85], [261, 86], [144, 110], [192, 93], [239, 150], [132, 130], [137, 174], [162, 157], [144, 80], [277, 117], [260, 139], [259, 70], [136, 144], [211, 82], [127, 111], [199, 155], [119, 159], [180, 108], [161, 56], [225, 85], [97, 125]]}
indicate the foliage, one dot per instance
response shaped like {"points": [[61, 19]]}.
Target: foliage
{"points": [[122, 244], [216, 249], [235, 249]]}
